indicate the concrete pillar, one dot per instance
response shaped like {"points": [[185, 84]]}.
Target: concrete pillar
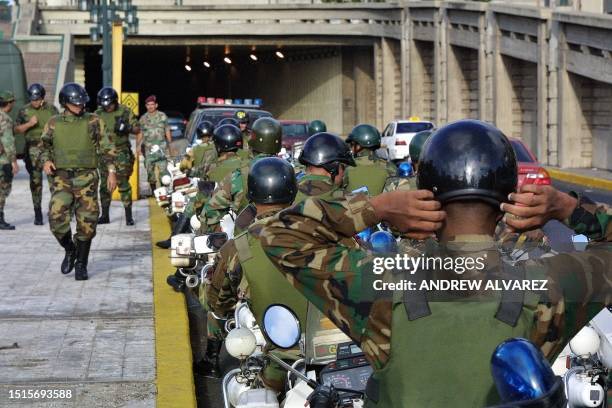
{"points": [[365, 89], [405, 61], [388, 80], [541, 146], [348, 92], [455, 87], [378, 80], [487, 59], [551, 144], [440, 66]]}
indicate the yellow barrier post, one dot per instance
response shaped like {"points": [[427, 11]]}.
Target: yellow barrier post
{"points": [[117, 75]]}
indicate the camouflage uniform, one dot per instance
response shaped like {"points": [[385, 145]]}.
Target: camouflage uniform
{"points": [[312, 185], [306, 242], [195, 161], [7, 157], [32, 157], [400, 183], [76, 188], [124, 162], [154, 127]]}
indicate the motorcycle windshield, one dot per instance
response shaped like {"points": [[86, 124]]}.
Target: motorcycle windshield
{"points": [[322, 337]]}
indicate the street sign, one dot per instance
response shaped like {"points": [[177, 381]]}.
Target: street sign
{"points": [[130, 99]]}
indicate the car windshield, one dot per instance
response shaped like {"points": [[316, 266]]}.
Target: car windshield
{"points": [[295, 130], [522, 155], [413, 127]]}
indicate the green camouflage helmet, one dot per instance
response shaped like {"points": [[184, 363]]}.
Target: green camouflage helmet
{"points": [[266, 136], [316, 126], [6, 97], [416, 145], [365, 136]]}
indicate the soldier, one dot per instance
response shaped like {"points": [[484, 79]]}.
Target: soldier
{"points": [[202, 153], [120, 122], [326, 157], [407, 335], [370, 171], [243, 124], [73, 143], [316, 126], [8, 156], [31, 121], [154, 131], [272, 187], [404, 179], [231, 194]]}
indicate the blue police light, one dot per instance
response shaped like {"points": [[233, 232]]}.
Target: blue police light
{"points": [[257, 102], [248, 101], [365, 234], [405, 170], [383, 242], [520, 371], [238, 101]]}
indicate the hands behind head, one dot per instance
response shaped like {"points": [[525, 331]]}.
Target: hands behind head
{"points": [[535, 205], [414, 213]]}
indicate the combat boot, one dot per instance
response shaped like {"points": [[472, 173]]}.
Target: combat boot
{"points": [[80, 267], [104, 218], [128, 215], [69, 259], [209, 365], [3, 224], [180, 226], [38, 218]]}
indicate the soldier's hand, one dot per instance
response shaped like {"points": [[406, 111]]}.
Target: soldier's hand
{"points": [[49, 168], [15, 167], [33, 121], [414, 213], [534, 205], [111, 181]]}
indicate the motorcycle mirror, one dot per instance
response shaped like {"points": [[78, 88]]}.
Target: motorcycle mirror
{"points": [[281, 326], [580, 241], [216, 240]]}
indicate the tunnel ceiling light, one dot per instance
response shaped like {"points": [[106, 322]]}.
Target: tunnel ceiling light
{"points": [[187, 67], [227, 60], [206, 64], [280, 54], [253, 57]]}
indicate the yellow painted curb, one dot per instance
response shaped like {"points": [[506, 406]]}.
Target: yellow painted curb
{"points": [[175, 386], [593, 182]]}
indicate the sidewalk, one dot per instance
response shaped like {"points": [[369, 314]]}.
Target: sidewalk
{"points": [[94, 337], [595, 178]]}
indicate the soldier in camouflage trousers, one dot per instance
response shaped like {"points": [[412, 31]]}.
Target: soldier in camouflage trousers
{"points": [[154, 131], [73, 143], [31, 121], [120, 123], [8, 156]]}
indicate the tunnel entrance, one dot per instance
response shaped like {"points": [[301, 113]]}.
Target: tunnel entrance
{"points": [[299, 82]]}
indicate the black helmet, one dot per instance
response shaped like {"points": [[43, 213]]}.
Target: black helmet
{"points": [[36, 91], [107, 96], [468, 159], [316, 126], [266, 137], [227, 138], [242, 116], [205, 129], [365, 136], [416, 144], [271, 181], [73, 93], [324, 149], [227, 121]]}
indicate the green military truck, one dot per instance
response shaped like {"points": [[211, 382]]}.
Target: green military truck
{"points": [[13, 78]]}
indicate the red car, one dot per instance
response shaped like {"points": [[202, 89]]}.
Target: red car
{"points": [[529, 170], [293, 131]]}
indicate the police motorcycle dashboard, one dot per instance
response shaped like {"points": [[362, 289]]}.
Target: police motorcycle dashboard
{"points": [[350, 370]]}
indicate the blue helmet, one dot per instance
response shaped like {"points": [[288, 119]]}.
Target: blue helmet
{"points": [[405, 170], [383, 242]]}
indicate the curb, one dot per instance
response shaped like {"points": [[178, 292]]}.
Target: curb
{"points": [[573, 178], [175, 384]]}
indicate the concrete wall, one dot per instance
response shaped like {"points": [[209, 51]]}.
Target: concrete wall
{"points": [[463, 90]]}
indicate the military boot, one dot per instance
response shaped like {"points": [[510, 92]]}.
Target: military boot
{"points": [[3, 224], [128, 215], [209, 365], [104, 218], [38, 218], [70, 257], [80, 267], [180, 226]]}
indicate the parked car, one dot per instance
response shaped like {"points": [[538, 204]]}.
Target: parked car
{"points": [[397, 136], [177, 124], [294, 131], [529, 169], [217, 112]]}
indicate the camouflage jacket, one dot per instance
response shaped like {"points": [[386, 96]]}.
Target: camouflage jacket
{"points": [[126, 113], [306, 243], [96, 130], [26, 113], [400, 183], [313, 185], [154, 127], [7, 139]]}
